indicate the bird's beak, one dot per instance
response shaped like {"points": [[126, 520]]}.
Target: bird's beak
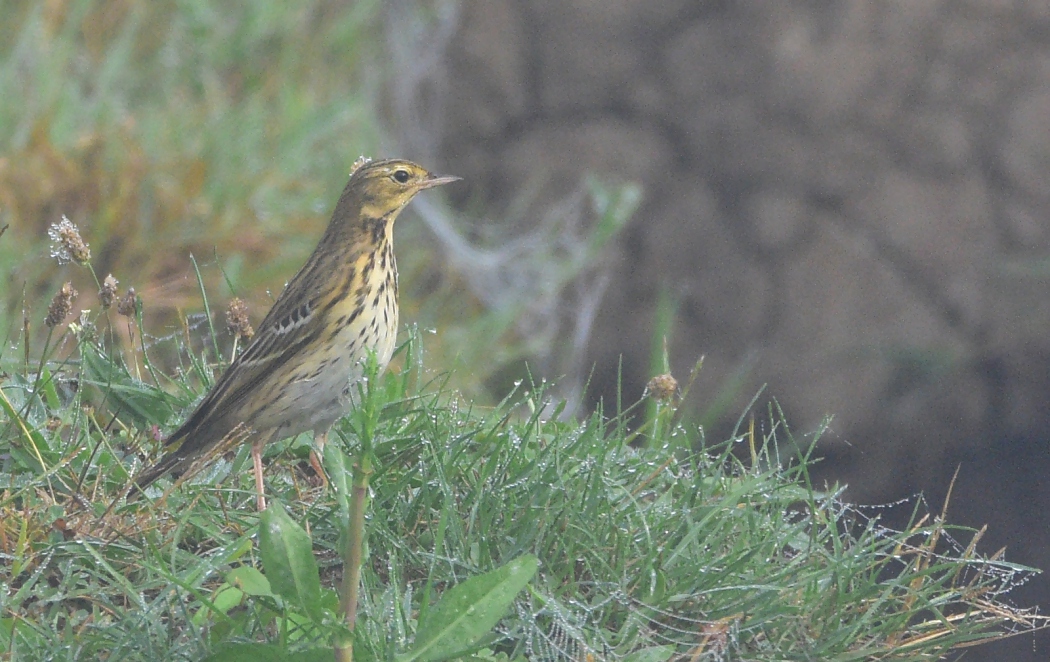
{"points": [[433, 181]]}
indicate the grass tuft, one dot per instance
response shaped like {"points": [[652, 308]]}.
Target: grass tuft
{"points": [[670, 550]]}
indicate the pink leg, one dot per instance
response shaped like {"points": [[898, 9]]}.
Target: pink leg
{"points": [[320, 438], [257, 449]]}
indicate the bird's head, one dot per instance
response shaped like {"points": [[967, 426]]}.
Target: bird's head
{"points": [[383, 188]]}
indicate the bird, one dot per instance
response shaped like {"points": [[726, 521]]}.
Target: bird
{"points": [[296, 373]]}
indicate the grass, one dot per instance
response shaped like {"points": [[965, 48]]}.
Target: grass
{"points": [[652, 543]]}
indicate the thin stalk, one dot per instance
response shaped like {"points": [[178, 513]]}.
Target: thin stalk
{"points": [[207, 309], [134, 353], [142, 343], [344, 651], [39, 370]]}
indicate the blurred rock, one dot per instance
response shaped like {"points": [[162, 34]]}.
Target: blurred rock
{"points": [[850, 202]]}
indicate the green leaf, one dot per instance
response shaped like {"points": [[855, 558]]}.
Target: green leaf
{"points": [[651, 654], [467, 612], [28, 455], [47, 384], [144, 403], [287, 556], [298, 628], [17, 634], [224, 599], [7, 635], [252, 652], [249, 580], [340, 472]]}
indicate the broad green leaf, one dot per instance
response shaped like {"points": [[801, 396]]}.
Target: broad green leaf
{"points": [[224, 599], [298, 628], [468, 611], [651, 654], [287, 556], [252, 652], [249, 580], [145, 403]]}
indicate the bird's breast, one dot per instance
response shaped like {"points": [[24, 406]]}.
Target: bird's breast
{"points": [[317, 395], [366, 320]]}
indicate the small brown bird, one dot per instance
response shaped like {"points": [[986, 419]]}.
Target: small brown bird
{"points": [[297, 372]]}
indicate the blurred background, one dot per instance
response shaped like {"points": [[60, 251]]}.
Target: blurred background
{"points": [[845, 203]]}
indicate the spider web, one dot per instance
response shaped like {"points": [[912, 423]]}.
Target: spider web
{"points": [[611, 625]]}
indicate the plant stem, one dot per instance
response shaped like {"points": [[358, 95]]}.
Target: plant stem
{"points": [[354, 551]]}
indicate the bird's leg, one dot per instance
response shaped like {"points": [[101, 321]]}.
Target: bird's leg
{"points": [[257, 448], [320, 439]]}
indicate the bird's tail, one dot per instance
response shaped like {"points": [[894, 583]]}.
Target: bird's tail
{"points": [[172, 460], [147, 478], [187, 458]]}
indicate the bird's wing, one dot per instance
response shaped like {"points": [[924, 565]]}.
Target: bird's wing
{"points": [[294, 323]]}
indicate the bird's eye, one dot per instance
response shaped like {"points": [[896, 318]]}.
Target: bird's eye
{"points": [[401, 176]]}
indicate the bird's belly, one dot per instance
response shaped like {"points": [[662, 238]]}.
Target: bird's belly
{"points": [[319, 393]]}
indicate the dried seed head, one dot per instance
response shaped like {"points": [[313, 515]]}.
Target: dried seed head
{"points": [[66, 243], [126, 304], [361, 160], [237, 319], [662, 387], [108, 291], [60, 306]]}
